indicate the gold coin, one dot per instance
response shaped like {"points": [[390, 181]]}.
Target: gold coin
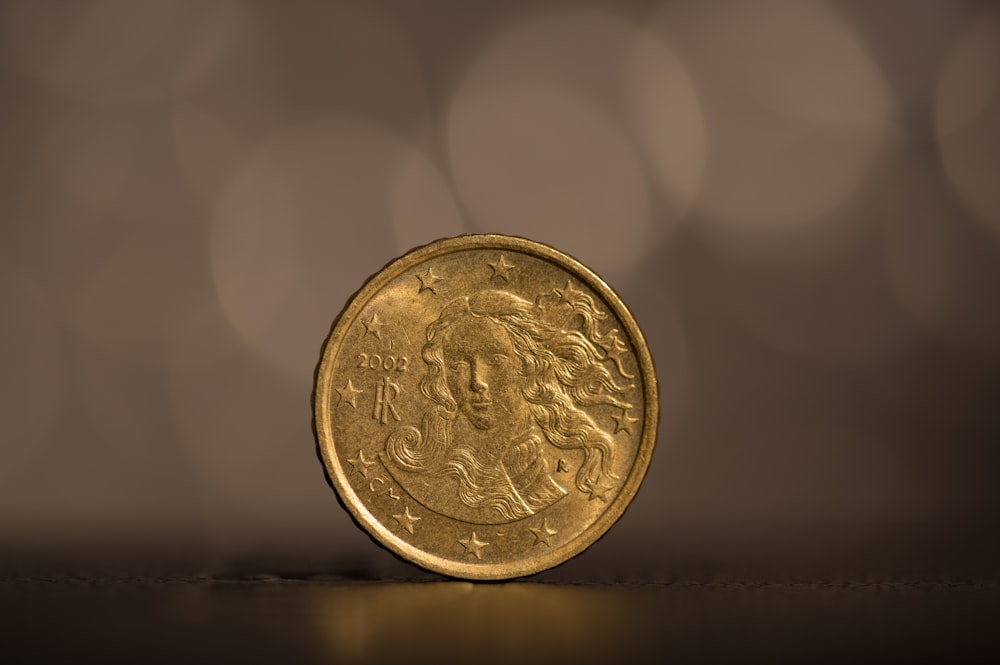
{"points": [[486, 407]]}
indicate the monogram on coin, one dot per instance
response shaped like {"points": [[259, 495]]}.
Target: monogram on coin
{"points": [[486, 407]]}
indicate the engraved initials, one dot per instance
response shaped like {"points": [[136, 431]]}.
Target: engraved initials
{"points": [[385, 393], [380, 482]]}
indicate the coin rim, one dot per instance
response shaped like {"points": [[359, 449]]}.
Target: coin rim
{"points": [[381, 532]]}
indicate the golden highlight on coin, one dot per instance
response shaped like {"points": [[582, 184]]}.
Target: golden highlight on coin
{"points": [[486, 407]]}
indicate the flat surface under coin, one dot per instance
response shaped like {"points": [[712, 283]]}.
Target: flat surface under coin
{"points": [[486, 407]]}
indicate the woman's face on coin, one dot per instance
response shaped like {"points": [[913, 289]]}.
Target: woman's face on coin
{"points": [[482, 373]]}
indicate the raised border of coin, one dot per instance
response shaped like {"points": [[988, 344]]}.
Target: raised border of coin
{"points": [[337, 473]]}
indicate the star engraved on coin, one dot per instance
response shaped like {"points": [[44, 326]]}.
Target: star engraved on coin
{"points": [[501, 269], [406, 520], [567, 294], [502, 399], [599, 492], [373, 326], [360, 464], [428, 280], [624, 422], [615, 349], [348, 394], [473, 545], [544, 534]]}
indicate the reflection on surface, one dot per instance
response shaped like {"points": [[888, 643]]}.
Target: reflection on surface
{"points": [[270, 620], [516, 621]]}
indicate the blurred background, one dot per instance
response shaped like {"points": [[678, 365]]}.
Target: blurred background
{"points": [[799, 202]]}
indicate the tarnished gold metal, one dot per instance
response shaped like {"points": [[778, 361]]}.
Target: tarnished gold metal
{"points": [[486, 407]]}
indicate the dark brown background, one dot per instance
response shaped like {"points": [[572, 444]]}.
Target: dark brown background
{"points": [[799, 201]]}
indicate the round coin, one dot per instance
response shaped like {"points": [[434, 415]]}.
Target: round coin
{"points": [[486, 407]]}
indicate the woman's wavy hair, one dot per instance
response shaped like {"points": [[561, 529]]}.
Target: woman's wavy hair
{"points": [[563, 369]]}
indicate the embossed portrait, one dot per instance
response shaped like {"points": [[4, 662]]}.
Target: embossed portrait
{"points": [[510, 383]]}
